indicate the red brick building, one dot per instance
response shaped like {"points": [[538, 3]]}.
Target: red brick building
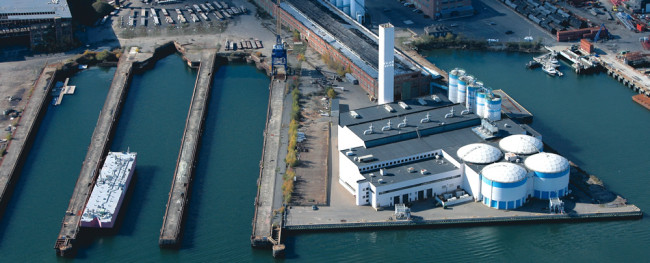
{"points": [[358, 57]]}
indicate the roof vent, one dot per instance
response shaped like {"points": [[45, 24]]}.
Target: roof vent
{"points": [[387, 127], [435, 98], [355, 115], [451, 114], [369, 130], [404, 105], [422, 101], [402, 124], [426, 118], [388, 108]]}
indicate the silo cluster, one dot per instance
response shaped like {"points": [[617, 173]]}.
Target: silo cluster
{"points": [[466, 90]]}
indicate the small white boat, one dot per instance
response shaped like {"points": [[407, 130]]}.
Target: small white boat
{"points": [[83, 66], [549, 70]]}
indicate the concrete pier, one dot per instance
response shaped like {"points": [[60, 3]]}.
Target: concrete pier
{"points": [[99, 145], [25, 130], [171, 231], [262, 235]]}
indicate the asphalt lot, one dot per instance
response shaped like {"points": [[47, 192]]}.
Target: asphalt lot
{"points": [[491, 21]]}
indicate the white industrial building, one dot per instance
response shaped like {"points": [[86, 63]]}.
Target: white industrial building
{"points": [[356, 9], [434, 147]]}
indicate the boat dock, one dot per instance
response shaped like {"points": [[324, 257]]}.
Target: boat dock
{"points": [[171, 231], [264, 233], [99, 145], [26, 129], [513, 109], [580, 63], [65, 90]]}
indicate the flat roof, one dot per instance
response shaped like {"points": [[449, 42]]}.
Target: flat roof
{"points": [[33, 9], [396, 174]]}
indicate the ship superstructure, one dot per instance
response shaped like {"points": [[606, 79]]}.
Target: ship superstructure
{"points": [[110, 188]]}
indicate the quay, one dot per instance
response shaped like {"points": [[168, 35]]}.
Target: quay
{"points": [[264, 233], [99, 145], [625, 74], [25, 131], [513, 109], [171, 231]]}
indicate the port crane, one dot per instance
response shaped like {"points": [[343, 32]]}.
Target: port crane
{"points": [[279, 53], [602, 26]]}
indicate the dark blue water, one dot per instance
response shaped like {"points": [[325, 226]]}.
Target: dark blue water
{"points": [[589, 119]]}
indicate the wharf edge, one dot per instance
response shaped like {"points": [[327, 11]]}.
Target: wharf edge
{"points": [[25, 131], [171, 230]]}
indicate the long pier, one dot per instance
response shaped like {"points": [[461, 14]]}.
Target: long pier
{"points": [[99, 145], [264, 235], [171, 231], [18, 144]]}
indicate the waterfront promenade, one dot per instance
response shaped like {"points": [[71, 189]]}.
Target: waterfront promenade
{"points": [[18, 144], [99, 145], [171, 231]]}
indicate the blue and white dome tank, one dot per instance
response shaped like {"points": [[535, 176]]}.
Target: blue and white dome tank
{"points": [[551, 175], [503, 185]]}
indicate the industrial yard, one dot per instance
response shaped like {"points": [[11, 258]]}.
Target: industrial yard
{"points": [[400, 143]]}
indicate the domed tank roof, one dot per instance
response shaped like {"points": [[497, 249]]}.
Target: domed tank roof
{"points": [[547, 163], [504, 172], [521, 144], [480, 153]]}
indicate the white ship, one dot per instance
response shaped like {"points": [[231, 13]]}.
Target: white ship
{"points": [[112, 183]]}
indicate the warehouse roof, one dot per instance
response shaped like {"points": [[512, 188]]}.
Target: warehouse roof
{"points": [[33, 9]]}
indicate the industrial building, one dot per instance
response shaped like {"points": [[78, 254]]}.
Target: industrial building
{"points": [[334, 34], [40, 24], [435, 148], [442, 9], [356, 9]]}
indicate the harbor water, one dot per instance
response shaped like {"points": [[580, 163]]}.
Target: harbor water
{"points": [[590, 119]]}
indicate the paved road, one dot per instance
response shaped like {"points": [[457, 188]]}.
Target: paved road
{"points": [[172, 223]]}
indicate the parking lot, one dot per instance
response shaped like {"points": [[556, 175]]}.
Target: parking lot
{"points": [[492, 20]]}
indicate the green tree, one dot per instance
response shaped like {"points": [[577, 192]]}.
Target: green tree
{"points": [[101, 56], [102, 8], [331, 93]]}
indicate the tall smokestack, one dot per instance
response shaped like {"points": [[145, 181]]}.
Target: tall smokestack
{"points": [[386, 63]]}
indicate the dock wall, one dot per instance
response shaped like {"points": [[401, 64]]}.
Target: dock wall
{"points": [[99, 145], [558, 218], [128, 65], [23, 136], [171, 231]]}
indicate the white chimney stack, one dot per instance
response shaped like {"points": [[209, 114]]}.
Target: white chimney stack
{"points": [[386, 63]]}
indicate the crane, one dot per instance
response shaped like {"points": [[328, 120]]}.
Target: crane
{"points": [[279, 53], [602, 26]]}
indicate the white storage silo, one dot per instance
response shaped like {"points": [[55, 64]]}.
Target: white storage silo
{"points": [[494, 108], [479, 153], [521, 144], [503, 185], [453, 84], [470, 102], [551, 175], [463, 82], [481, 101]]}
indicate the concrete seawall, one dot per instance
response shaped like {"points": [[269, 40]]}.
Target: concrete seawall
{"points": [[171, 231], [99, 145], [262, 235], [23, 136]]}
